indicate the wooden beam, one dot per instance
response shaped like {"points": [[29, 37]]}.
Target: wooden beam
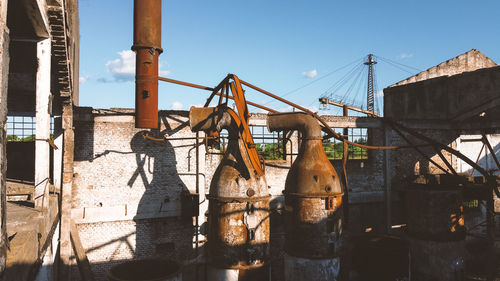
{"points": [[81, 256]]}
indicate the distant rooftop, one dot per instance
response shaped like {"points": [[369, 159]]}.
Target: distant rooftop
{"points": [[469, 61]]}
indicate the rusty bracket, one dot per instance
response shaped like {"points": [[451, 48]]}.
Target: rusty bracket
{"points": [[50, 142], [446, 162], [418, 149], [330, 203], [446, 148]]}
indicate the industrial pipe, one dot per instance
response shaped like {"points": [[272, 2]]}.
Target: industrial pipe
{"points": [[313, 204], [147, 46], [238, 216]]}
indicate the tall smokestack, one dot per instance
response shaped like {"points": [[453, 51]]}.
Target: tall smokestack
{"points": [[147, 46]]}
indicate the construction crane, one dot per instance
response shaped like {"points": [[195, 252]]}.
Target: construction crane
{"points": [[370, 93], [370, 88]]}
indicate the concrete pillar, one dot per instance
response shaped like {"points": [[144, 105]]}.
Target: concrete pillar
{"points": [[58, 154], [65, 250], [42, 150], [4, 78]]}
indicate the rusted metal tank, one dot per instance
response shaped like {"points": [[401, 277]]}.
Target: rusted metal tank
{"points": [[436, 231], [147, 46], [146, 270], [313, 204], [238, 216]]}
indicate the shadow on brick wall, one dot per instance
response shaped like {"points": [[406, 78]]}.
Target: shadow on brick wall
{"points": [[160, 230]]}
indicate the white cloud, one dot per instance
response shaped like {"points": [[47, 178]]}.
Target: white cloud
{"points": [[313, 108], [379, 94], [176, 105], [310, 74], [123, 68], [164, 73], [83, 79], [405, 56]]}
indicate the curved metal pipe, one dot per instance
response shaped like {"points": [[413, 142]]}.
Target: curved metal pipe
{"points": [[303, 122], [212, 119], [311, 173]]}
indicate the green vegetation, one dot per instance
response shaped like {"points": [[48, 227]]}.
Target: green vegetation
{"points": [[270, 151], [335, 150], [15, 138]]}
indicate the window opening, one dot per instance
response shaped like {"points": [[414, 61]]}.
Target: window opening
{"points": [[269, 145], [23, 128], [334, 148]]}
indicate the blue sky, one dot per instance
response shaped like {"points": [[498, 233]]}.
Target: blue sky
{"points": [[279, 46]]}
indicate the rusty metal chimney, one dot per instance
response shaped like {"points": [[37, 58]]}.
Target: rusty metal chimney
{"points": [[238, 218], [147, 46], [313, 204]]}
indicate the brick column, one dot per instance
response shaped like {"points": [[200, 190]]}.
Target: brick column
{"points": [[4, 77]]}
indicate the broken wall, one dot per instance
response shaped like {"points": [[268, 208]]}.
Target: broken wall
{"points": [[127, 189], [456, 97]]}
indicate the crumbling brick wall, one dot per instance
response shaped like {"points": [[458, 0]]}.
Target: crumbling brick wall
{"points": [[127, 191]]}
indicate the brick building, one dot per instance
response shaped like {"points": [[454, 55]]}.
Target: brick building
{"points": [[39, 43], [132, 189], [111, 192]]}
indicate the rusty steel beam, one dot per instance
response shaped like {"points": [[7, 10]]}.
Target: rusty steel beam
{"points": [[418, 149], [184, 83], [438, 144], [446, 162], [492, 152], [477, 159], [329, 101], [147, 46], [211, 89], [329, 130]]}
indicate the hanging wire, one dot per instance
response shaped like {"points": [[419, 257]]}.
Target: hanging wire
{"points": [[357, 79], [398, 63], [344, 79], [352, 80], [358, 89], [316, 80], [399, 66]]}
